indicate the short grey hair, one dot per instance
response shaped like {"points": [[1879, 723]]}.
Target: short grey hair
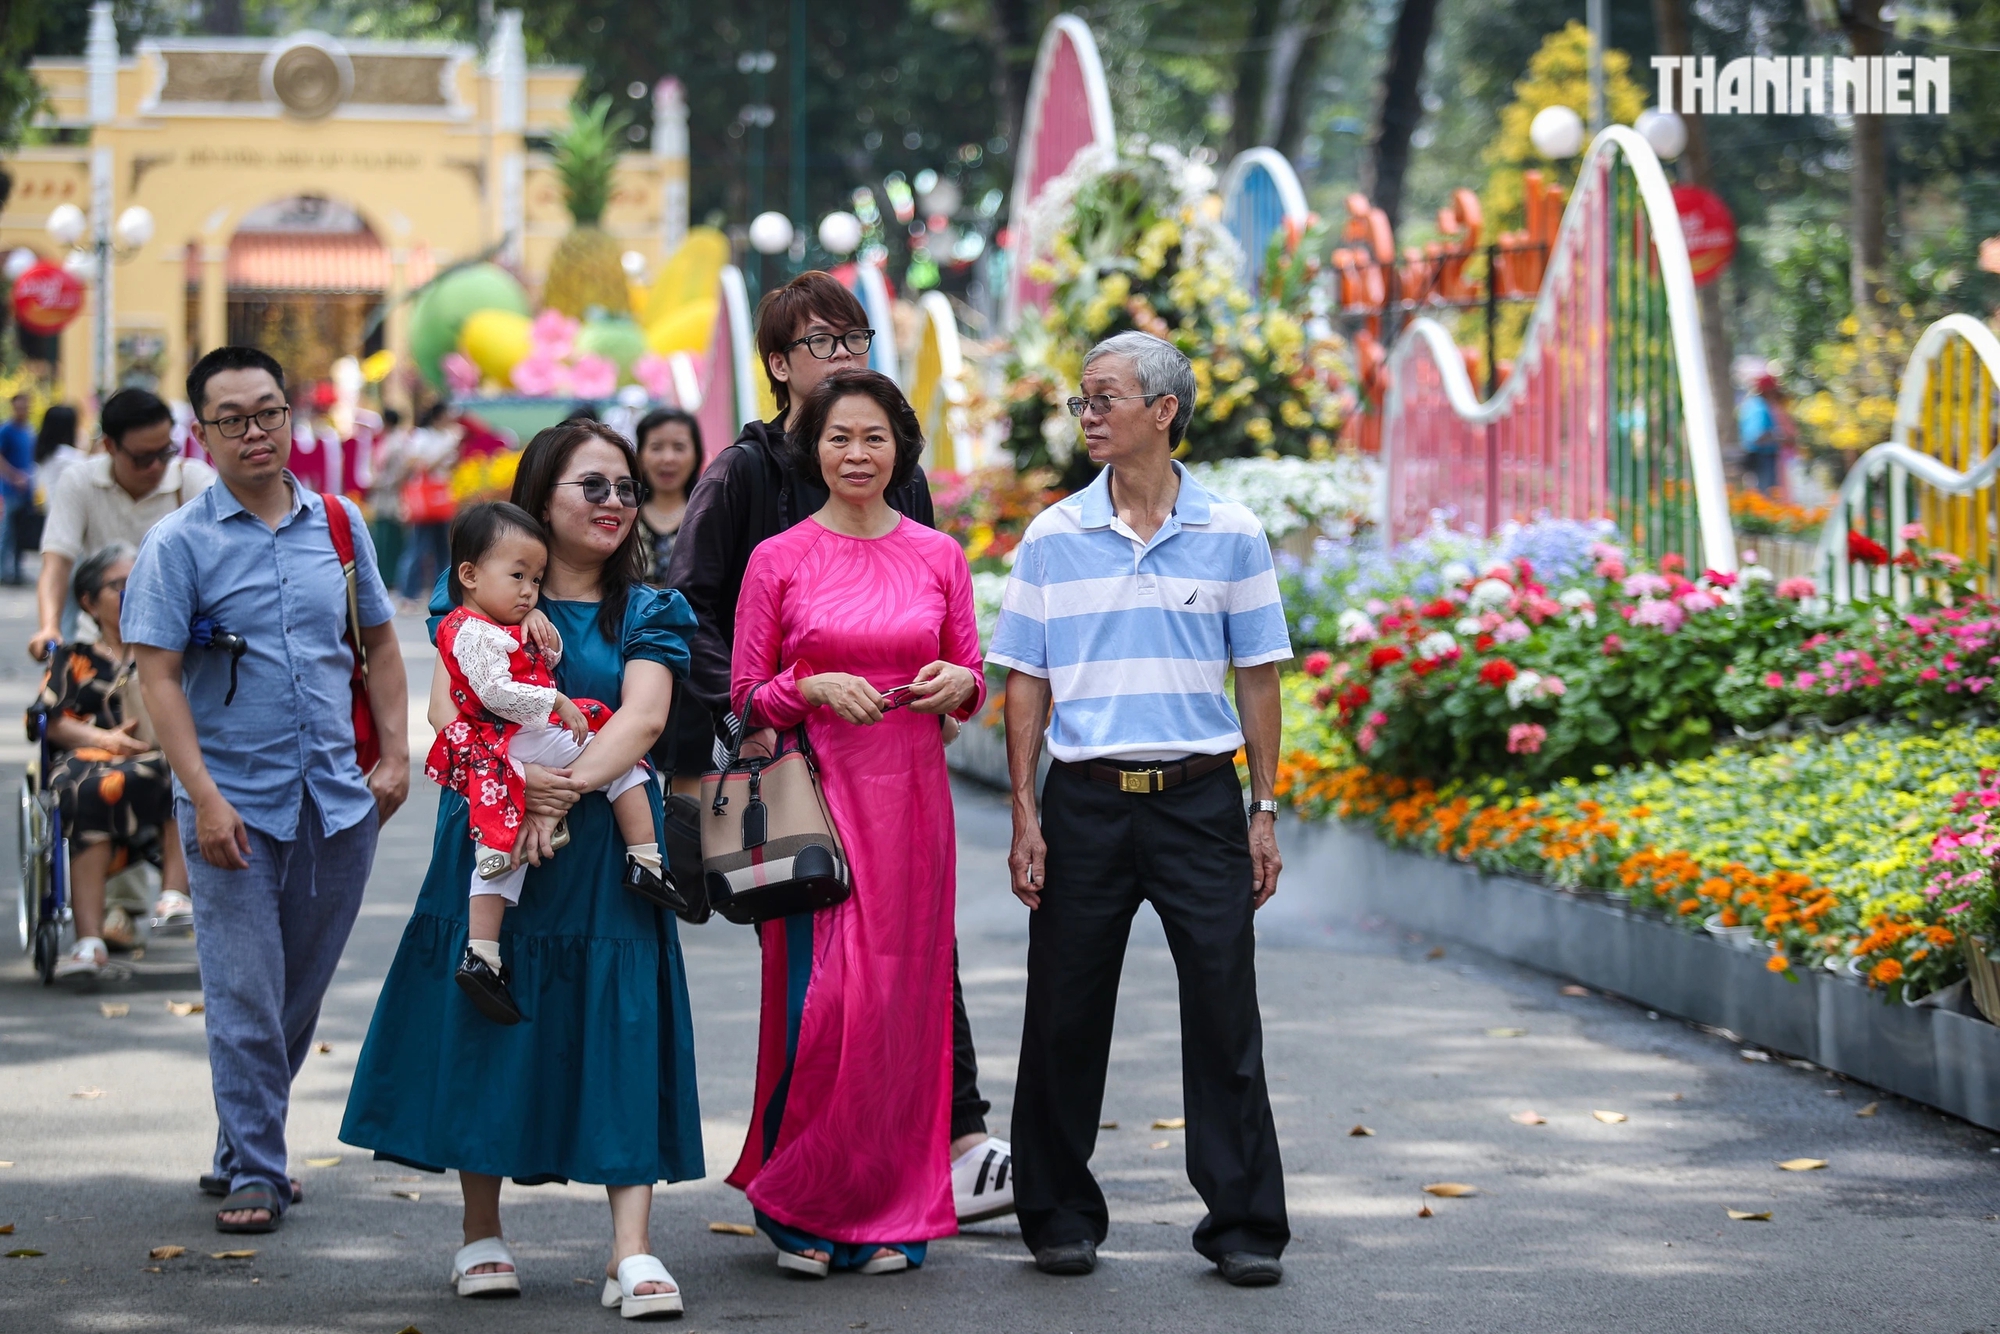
{"points": [[1162, 369], [88, 581]]}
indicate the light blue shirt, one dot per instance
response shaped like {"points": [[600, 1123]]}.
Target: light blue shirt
{"points": [[290, 730], [1754, 423], [1136, 638]]}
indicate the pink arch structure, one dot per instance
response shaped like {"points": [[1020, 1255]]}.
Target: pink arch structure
{"points": [[1069, 112]]}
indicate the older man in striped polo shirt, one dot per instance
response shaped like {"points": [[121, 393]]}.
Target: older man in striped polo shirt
{"points": [[1128, 605]]}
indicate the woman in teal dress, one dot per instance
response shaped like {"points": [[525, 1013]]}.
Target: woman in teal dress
{"points": [[598, 1083]]}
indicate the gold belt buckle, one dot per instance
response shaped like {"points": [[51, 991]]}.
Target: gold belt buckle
{"points": [[1140, 780]]}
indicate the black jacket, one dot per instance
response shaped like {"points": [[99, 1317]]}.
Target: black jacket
{"points": [[749, 493]]}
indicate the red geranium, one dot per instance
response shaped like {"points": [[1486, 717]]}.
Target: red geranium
{"points": [[1865, 549], [1323, 696], [1482, 643], [1673, 563], [1384, 656], [1717, 579], [1317, 662], [1423, 666], [1613, 645], [1354, 697], [1443, 609], [1498, 672]]}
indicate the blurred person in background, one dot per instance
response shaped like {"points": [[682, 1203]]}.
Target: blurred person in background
{"points": [[55, 448], [17, 485], [386, 465], [426, 501], [671, 457], [107, 771], [116, 496], [1765, 427]]}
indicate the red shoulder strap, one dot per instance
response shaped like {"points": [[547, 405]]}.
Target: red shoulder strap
{"points": [[337, 524]]}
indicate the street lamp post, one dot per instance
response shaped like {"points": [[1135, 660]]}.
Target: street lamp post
{"points": [[758, 116], [113, 242]]}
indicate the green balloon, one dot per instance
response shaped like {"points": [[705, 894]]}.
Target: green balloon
{"points": [[445, 306], [621, 340]]}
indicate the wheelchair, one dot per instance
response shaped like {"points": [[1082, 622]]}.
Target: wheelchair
{"points": [[43, 907]]}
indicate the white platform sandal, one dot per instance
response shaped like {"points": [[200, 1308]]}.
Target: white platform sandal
{"points": [[895, 1262], [622, 1293], [794, 1263], [497, 1283]]}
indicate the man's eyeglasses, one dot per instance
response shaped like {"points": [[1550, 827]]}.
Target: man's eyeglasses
{"points": [[598, 489], [821, 345], [152, 458], [235, 428], [1101, 403]]}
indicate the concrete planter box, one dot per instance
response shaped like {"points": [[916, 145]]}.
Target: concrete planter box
{"points": [[1930, 1054]]}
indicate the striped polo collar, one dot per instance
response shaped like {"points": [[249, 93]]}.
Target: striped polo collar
{"points": [[1191, 506]]}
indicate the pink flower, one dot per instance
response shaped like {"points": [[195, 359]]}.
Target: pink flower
{"points": [[1951, 560], [553, 334], [1717, 579], [1510, 632], [1911, 532], [1928, 674], [1774, 681], [1806, 681], [540, 376], [1316, 663], [1606, 551], [459, 373], [1610, 567], [1613, 646], [1526, 738], [1667, 617], [594, 376], [1553, 686], [1923, 625], [1365, 738], [1699, 600], [1797, 588], [656, 374], [1378, 719], [1989, 798], [1644, 586]]}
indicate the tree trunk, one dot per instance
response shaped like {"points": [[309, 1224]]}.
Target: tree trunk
{"points": [[1868, 182], [1253, 71], [1401, 109], [1670, 23], [1018, 41], [1316, 19]]}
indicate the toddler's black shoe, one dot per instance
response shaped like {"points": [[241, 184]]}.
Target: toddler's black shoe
{"points": [[487, 989], [653, 886]]}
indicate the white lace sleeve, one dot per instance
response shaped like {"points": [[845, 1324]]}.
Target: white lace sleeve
{"points": [[482, 650]]}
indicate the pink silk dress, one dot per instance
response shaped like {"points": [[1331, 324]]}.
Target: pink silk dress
{"points": [[850, 1131]]}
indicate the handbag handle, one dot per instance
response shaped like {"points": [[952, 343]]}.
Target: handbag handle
{"points": [[736, 760]]}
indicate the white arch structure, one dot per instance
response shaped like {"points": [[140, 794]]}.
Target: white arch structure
{"points": [[1069, 112]]}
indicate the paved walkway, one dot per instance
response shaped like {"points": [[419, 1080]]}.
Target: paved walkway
{"points": [[1579, 1224]]}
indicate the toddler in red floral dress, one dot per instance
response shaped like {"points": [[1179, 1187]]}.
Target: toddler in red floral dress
{"points": [[511, 715]]}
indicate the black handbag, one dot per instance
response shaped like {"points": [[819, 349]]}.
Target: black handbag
{"points": [[681, 840]]}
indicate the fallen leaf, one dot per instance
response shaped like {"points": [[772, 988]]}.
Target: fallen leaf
{"points": [[166, 1252], [1752, 1054], [1800, 1065], [326, 1049], [1506, 1032], [1162, 1143], [25, 1254], [1450, 1190], [6, 1229], [1742, 1217], [1529, 1118], [88, 1093], [1870, 1109], [1171, 1123], [1802, 1164], [183, 1008], [1359, 1131], [1437, 952], [412, 1329], [324, 1162], [1424, 1211], [1609, 1118], [154, 1269], [114, 1009], [1675, 1097], [733, 1229], [407, 1194], [231, 1255], [1574, 990], [1107, 1125]]}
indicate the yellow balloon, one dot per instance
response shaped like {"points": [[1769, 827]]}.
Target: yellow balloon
{"points": [[689, 329], [689, 275], [494, 341], [376, 366]]}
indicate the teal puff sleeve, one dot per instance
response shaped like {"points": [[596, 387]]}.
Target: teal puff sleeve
{"points": [[658, 622]]}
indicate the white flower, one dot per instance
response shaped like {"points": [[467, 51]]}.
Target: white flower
{"points": [[1491, 593], [1455, 573], [1289, 494], [1468, 625], [1574, 598], [987, 591], [1436, 644], [1757, 573], [1523, 687], [1355, 627]]}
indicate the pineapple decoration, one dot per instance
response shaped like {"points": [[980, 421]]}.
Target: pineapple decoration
{"points": [[586, 271]]}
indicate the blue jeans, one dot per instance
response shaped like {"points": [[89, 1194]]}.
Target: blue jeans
{"points": [[426, 553], [268, 939]]}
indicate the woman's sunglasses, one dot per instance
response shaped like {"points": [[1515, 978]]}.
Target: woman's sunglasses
{"points": [[597, 490]]}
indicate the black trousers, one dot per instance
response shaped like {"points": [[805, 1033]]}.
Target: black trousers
{"points": [[1186, 851], [968, 1109]]}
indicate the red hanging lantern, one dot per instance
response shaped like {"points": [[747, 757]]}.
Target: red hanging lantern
{"points": [[1710, 230], [46, 298]]}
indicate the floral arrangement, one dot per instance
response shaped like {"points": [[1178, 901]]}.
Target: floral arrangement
{"points": [[1336, 496], [483, 477], [988, 509], [1757, 515], [566, 358]]}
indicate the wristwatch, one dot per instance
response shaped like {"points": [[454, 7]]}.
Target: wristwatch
{"points": [[1264, 807]]}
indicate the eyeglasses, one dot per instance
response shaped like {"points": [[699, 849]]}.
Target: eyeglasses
{"points": [[234, 428], [152, 459], [821, 345], [1101, 403], [598, 489], [112, 586]]}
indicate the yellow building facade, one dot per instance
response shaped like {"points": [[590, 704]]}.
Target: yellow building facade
{"points": [[300, 185]]}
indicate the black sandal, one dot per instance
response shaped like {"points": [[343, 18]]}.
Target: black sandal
{"points": [[256, 1195], [219, 1187]]}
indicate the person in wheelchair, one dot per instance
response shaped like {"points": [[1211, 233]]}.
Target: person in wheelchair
{"points": [[111, 781]]}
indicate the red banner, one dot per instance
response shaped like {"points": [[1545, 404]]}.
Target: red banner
{"points": [[46, 298], [1710, 231]]}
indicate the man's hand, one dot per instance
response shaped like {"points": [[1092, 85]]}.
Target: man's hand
{"points": [[390, 782], [40, 642], [550, 792], [1265, 863], [1028, 860], [572, 718], [225, 843]]}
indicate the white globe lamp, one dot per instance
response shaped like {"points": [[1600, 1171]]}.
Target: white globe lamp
{"points": [[66, 224], [19, 262], [80, 264], [1556, 132], [134, 227], [1664, 130], [839, 233], [770, 233], [633, 263]]}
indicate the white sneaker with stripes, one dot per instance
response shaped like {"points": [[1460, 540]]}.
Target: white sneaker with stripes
{"points": [[982, 1181]]}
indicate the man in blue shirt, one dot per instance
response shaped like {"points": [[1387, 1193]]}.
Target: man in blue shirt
{"points": [[17, 486], [278, 818], [1128, 604]]}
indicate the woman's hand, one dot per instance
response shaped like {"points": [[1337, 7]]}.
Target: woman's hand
{"points": [[849, 696], [534, 841], [942, 687], [550, 792], [119, 740]]}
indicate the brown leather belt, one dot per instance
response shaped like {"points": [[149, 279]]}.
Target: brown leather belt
{"points": [[1147, 775]]}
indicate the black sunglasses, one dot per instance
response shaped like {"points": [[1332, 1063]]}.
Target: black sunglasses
{"points": [[598, 489]]}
